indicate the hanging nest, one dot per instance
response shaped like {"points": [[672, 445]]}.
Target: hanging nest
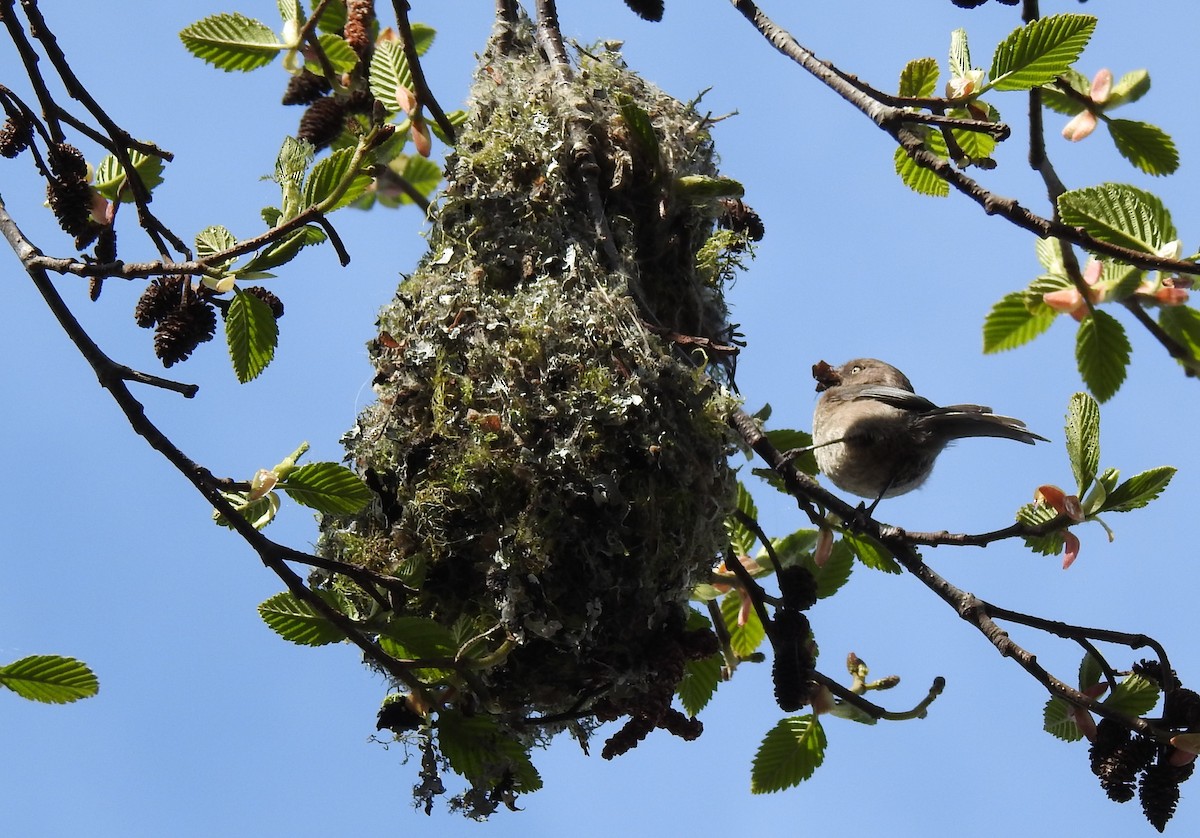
{"points": [[549, 453]]}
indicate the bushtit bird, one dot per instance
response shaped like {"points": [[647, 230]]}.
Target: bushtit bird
{"points": [[873, 436]]}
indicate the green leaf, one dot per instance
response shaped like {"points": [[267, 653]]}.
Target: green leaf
{"points": [[640, 125], [251, 334], [788, 755], [1129, 88], [110, 175], [342, 57], [918, 79], [786, 439], [1013, 322], [212, 240], [743, 640], [416, 638], [333, 18], [1082, 434], [975, 145], [455, 118], [1119, 214], [917, 178], [479, 750], [1056, 100], [423, 36], [327, 487], [231, 42], [1139, 490], [331, 174], [1050, 255], [699, 682], [741, 537], [51, 679], [1102, 352], [1089, 671], [389, 72], [1032, 515], [1144, 145], [797, 549], [422, 174], [282, 251], [1060, 721], [871, 554], [1134, 696], [960, 53], [1038, 52], [298, 621], [1183, 324], [258, 512]]}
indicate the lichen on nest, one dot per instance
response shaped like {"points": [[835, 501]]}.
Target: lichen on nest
{"points": [[551, 471]]}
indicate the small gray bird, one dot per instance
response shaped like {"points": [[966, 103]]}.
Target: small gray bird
{"points": [[873, 436]]}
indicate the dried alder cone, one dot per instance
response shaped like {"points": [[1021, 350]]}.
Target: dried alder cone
{"points": [[549, 471]]}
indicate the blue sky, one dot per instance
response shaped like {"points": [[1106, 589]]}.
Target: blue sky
{"points": [[207, 723]]}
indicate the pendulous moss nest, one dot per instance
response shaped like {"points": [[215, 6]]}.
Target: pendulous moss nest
{"points": [[550, 463]]}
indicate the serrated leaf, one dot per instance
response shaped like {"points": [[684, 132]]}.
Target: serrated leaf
{"points": [[110, 178], [1134, 696], [1012, 322], [231, 42], [1039, 51], [1144, 145], [871, 553], [1056, 100], [423, 36], [331, 174], [416, 638], [699, 682], [50, 679], [342, 57], [1089, 671], [787, 439], [1082, 433], [1129, 88], [1050, 255], [788, 755], [327, 487], [1033, 514], [422, 174], [333, 18], [1119, 214], [975, 145], [744, 640], [1102, 353], [1182, 323], [212, 240], [1139, 490], [1059, 721], [251, 334], [455, 118], [282, 251], [960, 53], [918, 79], [477, 748], [298, 621], [389, 71], [917, 178], [740, 536]]}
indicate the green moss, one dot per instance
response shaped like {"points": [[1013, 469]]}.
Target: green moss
{"points": [[547, 466]]}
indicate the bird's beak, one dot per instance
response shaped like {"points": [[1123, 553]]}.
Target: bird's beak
{"points": [[826, 376]]}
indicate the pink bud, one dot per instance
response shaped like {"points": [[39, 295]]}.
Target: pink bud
{"points": [[1084, 721], [422, 141], [1080, 126], [1065, 300], [1092, 271], [1071, 549], [1171, 296], [1102, 86], [824, 548], [406, 99]]}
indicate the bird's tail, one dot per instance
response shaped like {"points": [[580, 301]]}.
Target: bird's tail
{"points": [[962, 420]]}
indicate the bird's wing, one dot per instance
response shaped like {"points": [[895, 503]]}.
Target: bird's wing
{"points": [[896, 397]]}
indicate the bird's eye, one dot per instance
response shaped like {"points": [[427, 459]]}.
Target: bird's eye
{"points": [[856, 369]]}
